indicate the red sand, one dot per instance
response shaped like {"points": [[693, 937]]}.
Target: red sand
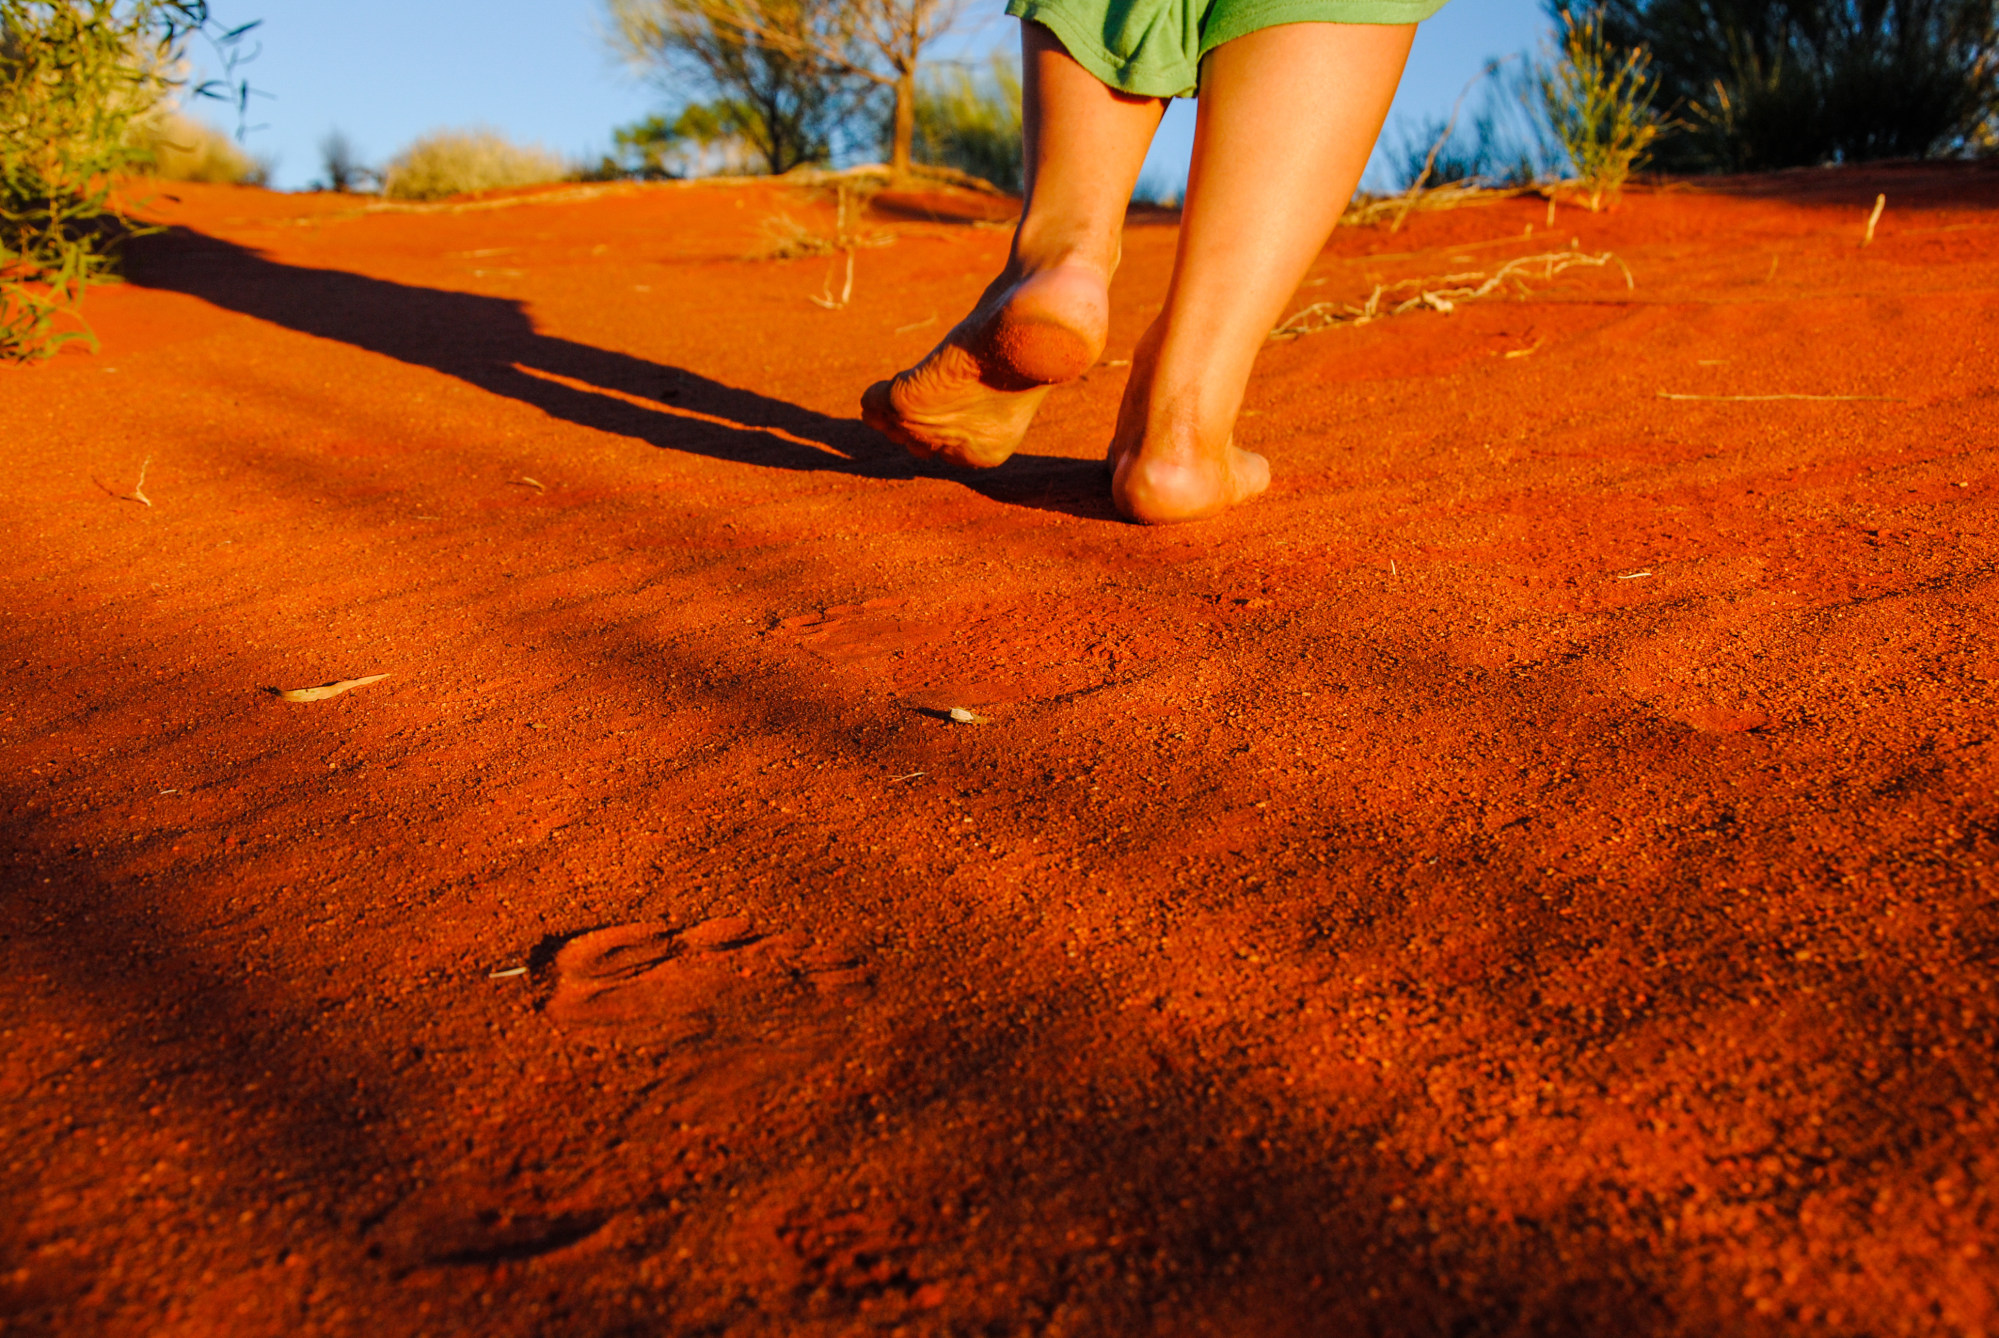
{"points": [[1531, 874]]}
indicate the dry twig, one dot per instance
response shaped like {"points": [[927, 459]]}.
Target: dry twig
{"points": [[1451, 195], [1750, 399], [326, 690], [1415, 191], [1443, 293], [826, 298]]}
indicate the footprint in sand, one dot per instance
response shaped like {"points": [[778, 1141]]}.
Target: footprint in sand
{"points": [[855, 633], [655, 982]]}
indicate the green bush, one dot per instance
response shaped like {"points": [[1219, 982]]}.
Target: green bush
{"points": [[705, 137], [73, 77], [783, 74], [78, 78], [460, 162], [972, 124], [1783, 83], [1598, 98]]}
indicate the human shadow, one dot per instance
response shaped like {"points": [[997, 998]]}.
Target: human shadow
{"points": [[491, 343]]}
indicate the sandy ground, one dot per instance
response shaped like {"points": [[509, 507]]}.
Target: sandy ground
{"points": [[1531, 874]]}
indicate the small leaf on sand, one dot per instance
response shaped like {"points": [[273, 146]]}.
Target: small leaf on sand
{"points": [[964, 717], [325, 690]]}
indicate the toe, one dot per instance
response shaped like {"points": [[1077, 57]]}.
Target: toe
{"points": [[878, 411]]}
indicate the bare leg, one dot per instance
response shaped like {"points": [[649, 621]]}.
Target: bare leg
{"points": [[1043, 320], [1288, 116]]}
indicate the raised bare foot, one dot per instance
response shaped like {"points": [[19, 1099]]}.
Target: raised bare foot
{"points": [[970, 400]]}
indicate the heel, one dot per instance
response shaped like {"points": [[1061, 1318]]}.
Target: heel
{"points": [[1041, 352]]}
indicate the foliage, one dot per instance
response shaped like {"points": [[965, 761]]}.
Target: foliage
{"points": [[78, 80], [705, 137], [972, 125], [1599, 101], [179, 148], [459, 162], [1158, 190], [1481, 153], [1781, 83], [1505, 139], [805, 67], [342, 166], [762, 60]]}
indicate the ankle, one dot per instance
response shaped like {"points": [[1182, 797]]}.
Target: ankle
{"points": [[1037, 250], [1158, 487], [1152, 488]]}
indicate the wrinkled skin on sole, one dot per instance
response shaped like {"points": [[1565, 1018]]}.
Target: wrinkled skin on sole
{"points": [[970, 400]]}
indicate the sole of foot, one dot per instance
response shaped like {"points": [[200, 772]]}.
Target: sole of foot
{"points": [[1167, 491], [972, 397]]}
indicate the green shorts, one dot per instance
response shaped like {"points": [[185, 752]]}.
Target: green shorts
{"points": [[1153, 48]]}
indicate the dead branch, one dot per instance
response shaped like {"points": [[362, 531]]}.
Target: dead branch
{"points": [[1444, 293]]}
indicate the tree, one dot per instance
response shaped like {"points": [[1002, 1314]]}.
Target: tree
{"points": [[972, 125], [764, 60], [745, 47], [1780, 83], [661, 148]]}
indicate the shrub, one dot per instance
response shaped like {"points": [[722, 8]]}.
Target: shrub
{"points": [[972, 125], [705, 137], [1783, 83], [344, 171], [784, 71], [77, 77], [1483, 153], [1505, 138], [459, 162], [1158, 190], [1599, 101], [180, 148]]}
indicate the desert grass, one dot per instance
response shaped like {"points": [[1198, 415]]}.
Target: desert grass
{"points": [[1415, 192], [788, 239], [1370, 211], [1442, 293], [465, 162], [1599, 101], [180, 148]]}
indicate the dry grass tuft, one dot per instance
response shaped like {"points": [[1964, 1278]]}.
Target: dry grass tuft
{"points": [[1599, 101], [179, 148], [461, 162], [788, 239], [1393, 209], [1444, 293]]}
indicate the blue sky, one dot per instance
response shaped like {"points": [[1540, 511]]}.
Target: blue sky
{"points": [[386, 71]]}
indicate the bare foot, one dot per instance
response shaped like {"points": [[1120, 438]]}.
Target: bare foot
{"points": [[1172, 456], [1160, 487], [970, 400]]}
